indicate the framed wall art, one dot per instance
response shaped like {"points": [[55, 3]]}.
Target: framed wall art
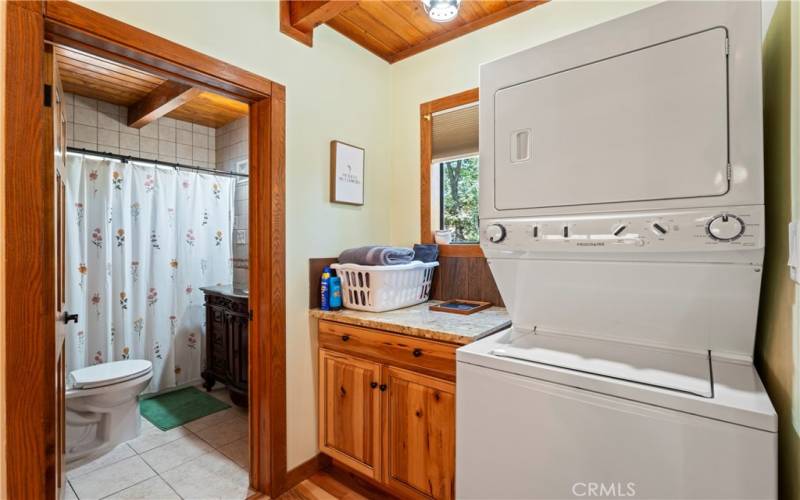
{"points": [[347, 173]]}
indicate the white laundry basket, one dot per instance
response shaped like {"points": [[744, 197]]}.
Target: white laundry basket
{"points": [[383, 288]]}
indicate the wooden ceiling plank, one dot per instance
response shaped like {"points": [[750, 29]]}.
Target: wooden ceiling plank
{"points": [[76, 84], [365, 22], [98, 73], [308, 14], [361, 37], [396, 22], [94, 61], [168, 96], [470, 11], [413, 13], [459, 31]]}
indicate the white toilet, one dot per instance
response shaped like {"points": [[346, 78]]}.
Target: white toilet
{"points": [[102, 409]]}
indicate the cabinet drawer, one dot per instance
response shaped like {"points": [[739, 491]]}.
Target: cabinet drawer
{"points": [[428, 356]]}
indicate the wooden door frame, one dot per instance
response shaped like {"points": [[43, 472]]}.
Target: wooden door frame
{"points": [[29, 449]]}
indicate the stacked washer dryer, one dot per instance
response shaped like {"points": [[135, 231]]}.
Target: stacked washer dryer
{"points": [[622, 214]]}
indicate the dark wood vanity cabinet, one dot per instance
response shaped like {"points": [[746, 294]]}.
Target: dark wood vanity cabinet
{"points": [[227, 318]]}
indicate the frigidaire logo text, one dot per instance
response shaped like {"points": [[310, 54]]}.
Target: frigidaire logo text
{"points": [[604, 490], [591, 244]]}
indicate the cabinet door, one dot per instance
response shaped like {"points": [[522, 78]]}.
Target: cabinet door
{"points": [[349, 411], [217, 342], [238, 335], [419, 434]]}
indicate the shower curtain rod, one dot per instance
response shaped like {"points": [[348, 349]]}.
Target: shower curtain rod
{"points": [[126, 159]]}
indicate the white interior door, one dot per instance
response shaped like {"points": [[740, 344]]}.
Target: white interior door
{"points": [[651, 124]]}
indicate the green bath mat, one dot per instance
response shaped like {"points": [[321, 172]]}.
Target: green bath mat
{"points": [[176, 408]]}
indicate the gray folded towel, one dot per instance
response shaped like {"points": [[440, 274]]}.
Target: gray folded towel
{"points": [[377, 256], [426, 253]]}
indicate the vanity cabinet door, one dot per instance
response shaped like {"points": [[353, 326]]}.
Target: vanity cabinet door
{"points": [[419, 434], [350, 424]]}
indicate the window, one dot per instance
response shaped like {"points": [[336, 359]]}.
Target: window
{"points": [[458, 198]]}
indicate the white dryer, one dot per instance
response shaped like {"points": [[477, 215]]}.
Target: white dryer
{"points": [[622, 217]]}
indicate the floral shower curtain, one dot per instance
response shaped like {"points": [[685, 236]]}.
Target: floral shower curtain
{"points": [[141, 241]]}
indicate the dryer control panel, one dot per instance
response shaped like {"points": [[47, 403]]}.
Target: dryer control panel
{"points": [[707, 229]]}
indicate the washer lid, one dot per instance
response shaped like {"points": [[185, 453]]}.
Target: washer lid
{"points": [[108, 373], [674, 370]]}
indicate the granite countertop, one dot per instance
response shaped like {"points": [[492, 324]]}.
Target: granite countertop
{"points": [[228, 290], [419, 321]]}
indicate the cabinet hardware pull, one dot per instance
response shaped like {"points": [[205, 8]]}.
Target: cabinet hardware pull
{"points": [[373, 384], [345, 337], [417, 352], [383, 387]]}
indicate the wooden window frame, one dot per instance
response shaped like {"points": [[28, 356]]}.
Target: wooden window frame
{"points": [[29, 274], [426, 111]]}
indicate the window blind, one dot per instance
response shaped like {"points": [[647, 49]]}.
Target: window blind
{"points": [[455, 133]]}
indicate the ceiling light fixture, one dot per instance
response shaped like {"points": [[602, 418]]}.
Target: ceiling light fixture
{"points": [[441, 11]]}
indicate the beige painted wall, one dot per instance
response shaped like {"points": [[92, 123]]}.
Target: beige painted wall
{"points": [[2, 256], [779, 321], [335, 90], [453, 67]]}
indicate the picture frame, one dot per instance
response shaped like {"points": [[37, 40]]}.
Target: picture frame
{"points": [[347, 173]]}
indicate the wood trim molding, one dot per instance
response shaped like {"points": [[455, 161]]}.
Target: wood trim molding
{"points": [[511, 10], [85, 29], [307, 469], [460, 251], [163, 99], [28, 449], [426, 110], [27, 187]]}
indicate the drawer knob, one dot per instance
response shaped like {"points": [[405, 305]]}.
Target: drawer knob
{"points": [[345, 337], [373, 384], [417, 352], [383, 387]]}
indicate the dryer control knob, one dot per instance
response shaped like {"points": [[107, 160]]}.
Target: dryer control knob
{"points": [[496, 233], [725, 227]]}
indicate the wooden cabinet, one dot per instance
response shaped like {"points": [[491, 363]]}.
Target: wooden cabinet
{"points": [[227, 318], [387, 408]]}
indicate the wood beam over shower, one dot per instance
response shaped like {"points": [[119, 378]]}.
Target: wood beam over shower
{"points": [[160, 101]]}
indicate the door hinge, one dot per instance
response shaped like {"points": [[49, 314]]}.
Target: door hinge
{"points": [[729, 171], [727, 46], [48, 96]]}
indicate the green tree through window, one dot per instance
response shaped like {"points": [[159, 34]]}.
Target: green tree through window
{"points": [[459, 198]]}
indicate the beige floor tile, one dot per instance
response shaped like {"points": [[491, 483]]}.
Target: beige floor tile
{"points": [[69, 493], [224, 433], [82, 467], [176, 453], [209, 476], [155, 438], [111, 479], [152, 489], [209, 420], [239, 452]]}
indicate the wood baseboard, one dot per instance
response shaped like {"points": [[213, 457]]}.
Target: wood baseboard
{"points": [[307, 469], [364, 486]]}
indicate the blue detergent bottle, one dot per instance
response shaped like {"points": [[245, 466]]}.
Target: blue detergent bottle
{"points": [[335, 290], [325, 303]]}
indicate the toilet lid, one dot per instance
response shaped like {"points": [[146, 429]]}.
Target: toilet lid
{"points": [[108, 373]]}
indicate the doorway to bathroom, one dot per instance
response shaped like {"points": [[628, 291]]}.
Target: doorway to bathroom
{"points": [[212, 225]]}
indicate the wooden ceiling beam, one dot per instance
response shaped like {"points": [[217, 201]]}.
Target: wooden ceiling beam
{"points": [[163, 99], [300, 17]]}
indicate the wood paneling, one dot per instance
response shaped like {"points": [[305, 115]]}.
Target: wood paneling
{"points": [[466, 278], [393, 29], [420, 435], [92, 76]]}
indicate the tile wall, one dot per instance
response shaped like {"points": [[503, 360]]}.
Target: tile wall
{"points": [[101, 126], [231, 155]]}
